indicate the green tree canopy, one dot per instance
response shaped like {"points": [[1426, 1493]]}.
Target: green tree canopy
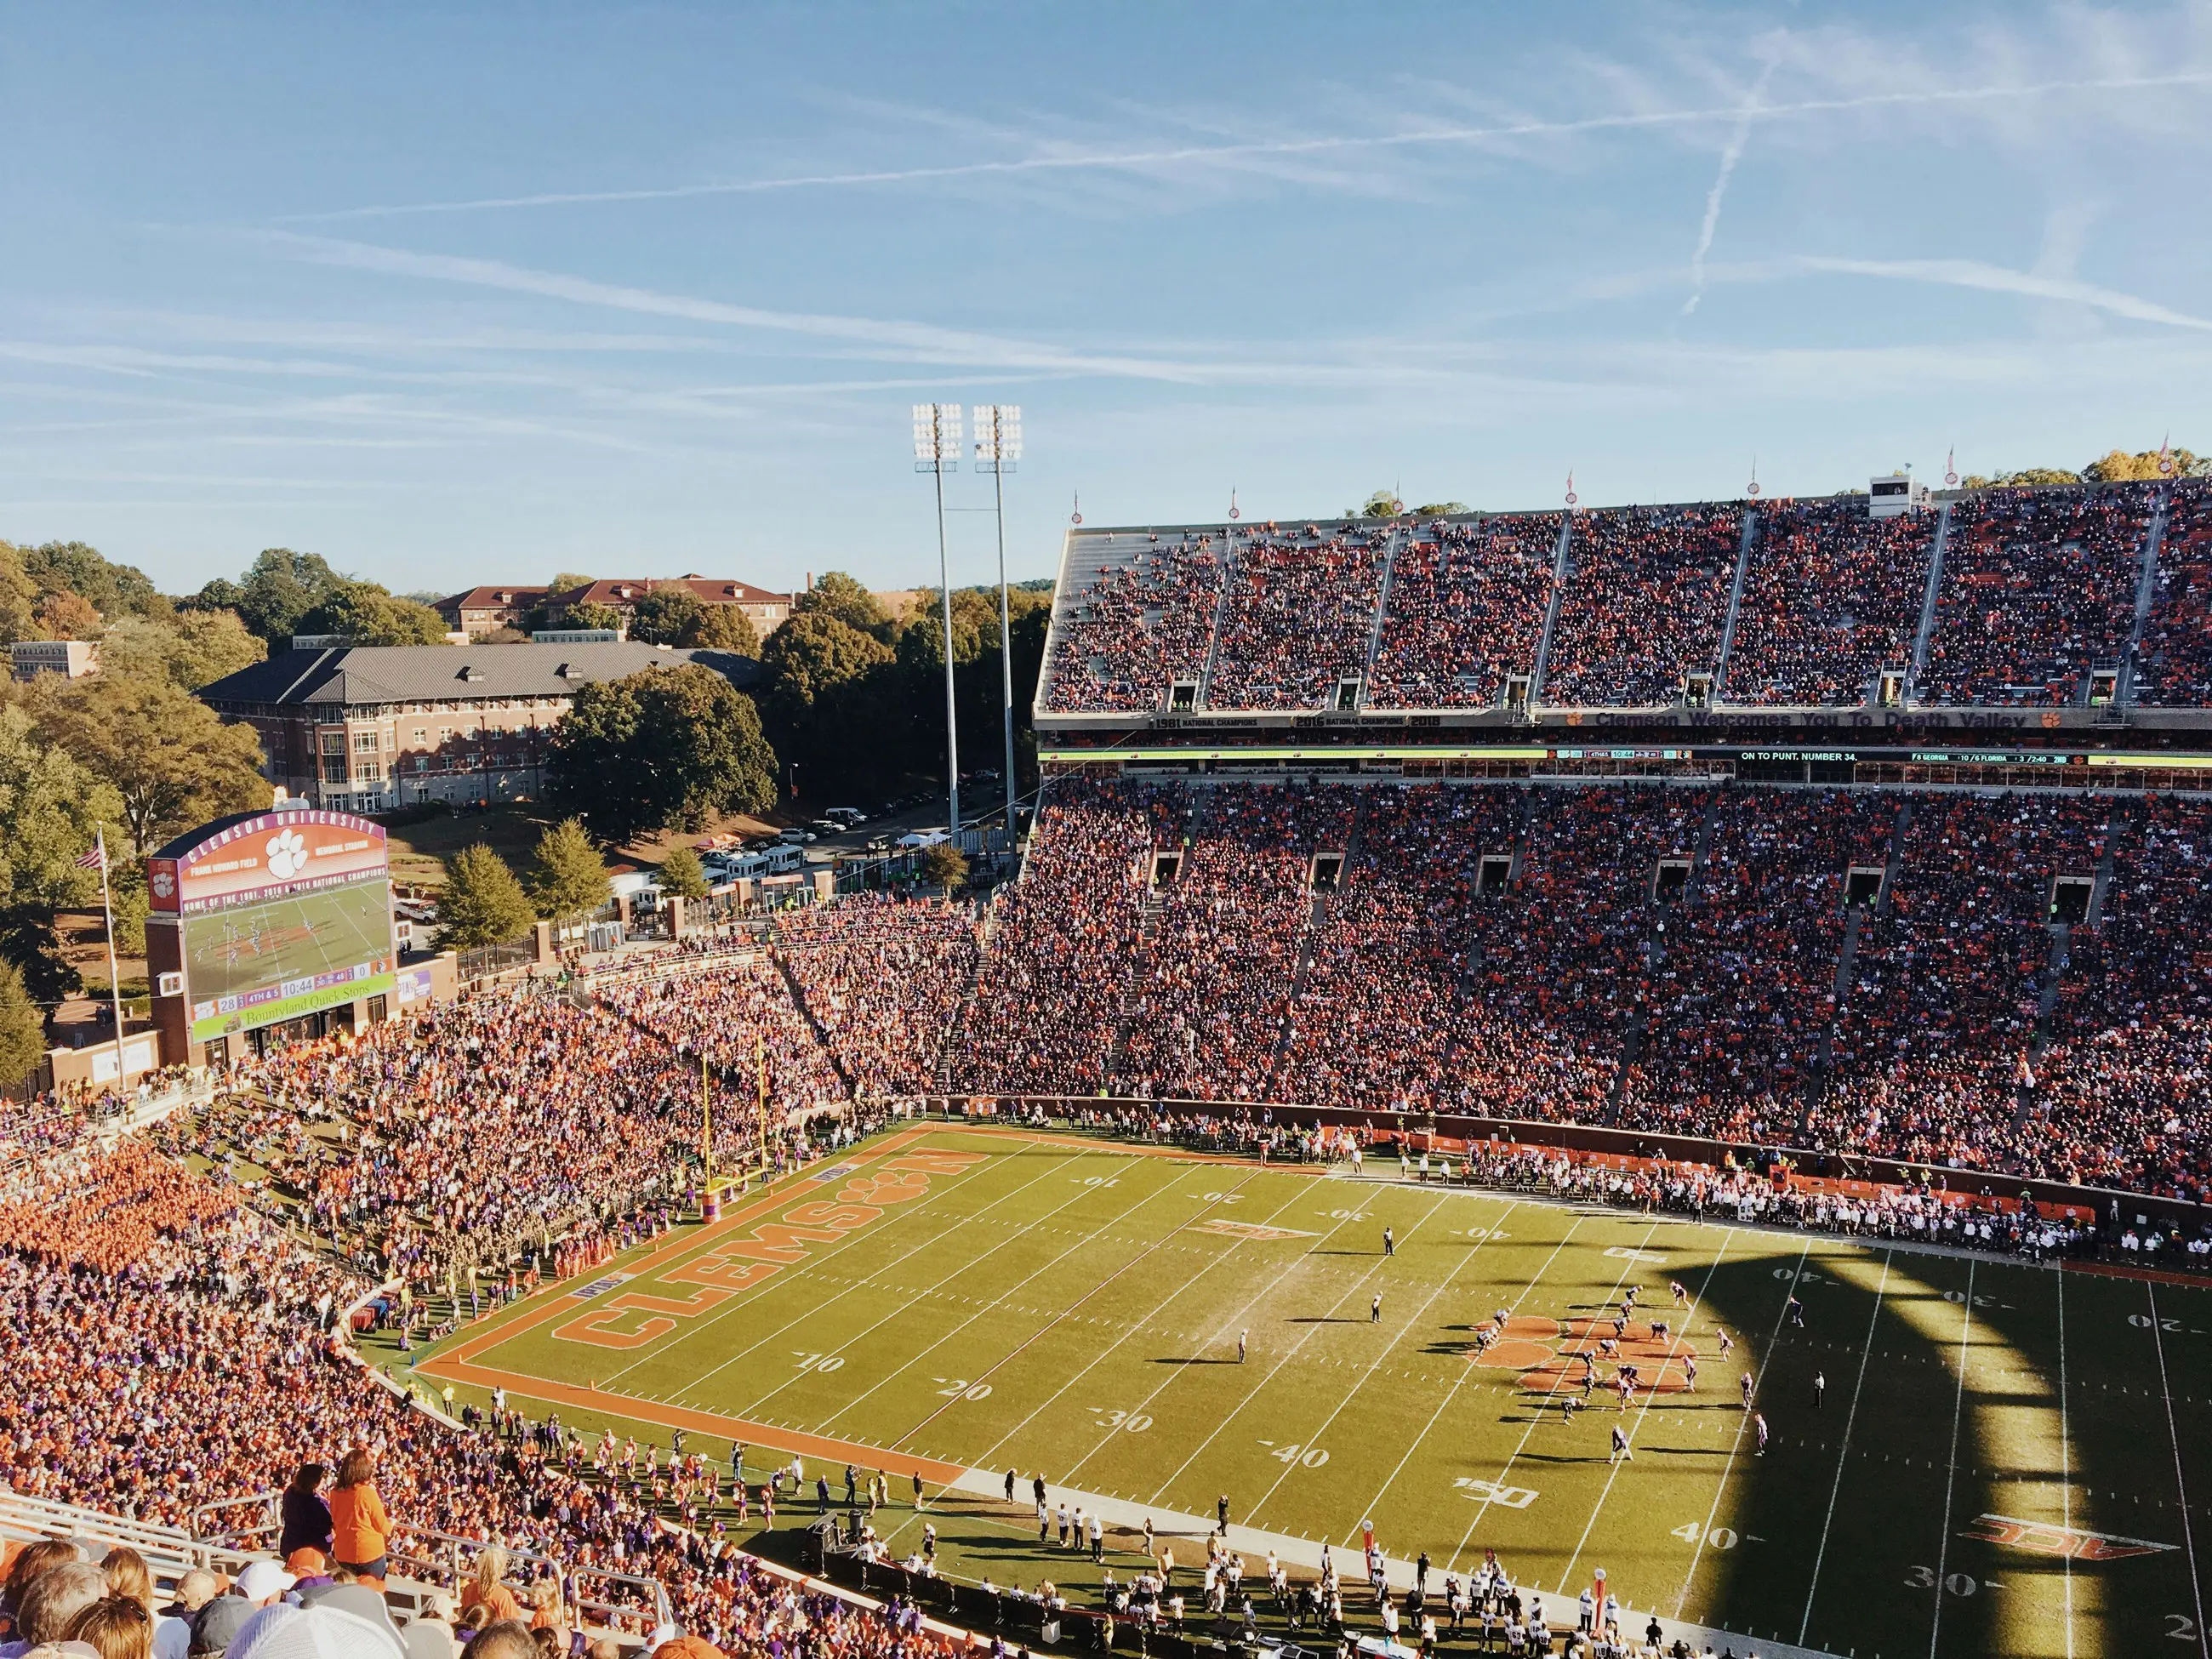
{"points": [[681, 875], [665, 616], [943, 866], [482, 902], [279, 588], [667, 747], [2118, 466], [18, 597], [220, 595], [810, 653], [112, 590], [171, 759], [836, 594], [1440, 509], [49, 805], [22, 1027], [1382, 504], [723, 627], [591, 615], [365, 614], [568, 582], [195, 649], [569, 878]]}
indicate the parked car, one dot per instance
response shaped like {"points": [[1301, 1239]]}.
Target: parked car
{"points": [[846, 815], [796, 836]]}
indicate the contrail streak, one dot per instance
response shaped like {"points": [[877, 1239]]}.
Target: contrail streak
{"points": [[1141, 159], [1729, 156]]}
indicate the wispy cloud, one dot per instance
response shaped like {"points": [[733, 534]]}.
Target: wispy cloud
{"points": [[1997, 279], [922, 341], [1159, 159]]}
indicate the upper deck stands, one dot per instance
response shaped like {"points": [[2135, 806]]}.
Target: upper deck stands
{"points": [[1831, 597], [2043, 597]]}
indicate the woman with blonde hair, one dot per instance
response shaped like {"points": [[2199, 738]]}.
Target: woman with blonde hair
{"points": [[487, 1590], [361, 1530], [129, 1575]]}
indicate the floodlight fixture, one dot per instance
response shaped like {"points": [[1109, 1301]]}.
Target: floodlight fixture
{"points": [[936, 437], [998, 435]]}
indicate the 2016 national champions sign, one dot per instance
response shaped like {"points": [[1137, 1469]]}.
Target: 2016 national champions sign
{"points": [[276, 915]]}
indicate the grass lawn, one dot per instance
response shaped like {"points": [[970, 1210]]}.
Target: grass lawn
{"points": [[1995, 1465]]}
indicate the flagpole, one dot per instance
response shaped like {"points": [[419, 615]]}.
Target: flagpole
{"points": [[114, 980]]}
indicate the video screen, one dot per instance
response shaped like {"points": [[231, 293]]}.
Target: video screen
{"points": [[308, 936]]}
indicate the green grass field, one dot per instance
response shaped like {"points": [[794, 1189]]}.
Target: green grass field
{"points": [[1997, 1467]]}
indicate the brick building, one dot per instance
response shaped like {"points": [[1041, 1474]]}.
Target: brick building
{"points": [[370, 728], [765, 608], [481, 611]]}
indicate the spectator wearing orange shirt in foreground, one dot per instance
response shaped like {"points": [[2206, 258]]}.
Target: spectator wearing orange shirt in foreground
{"points": [[360, 1529]]}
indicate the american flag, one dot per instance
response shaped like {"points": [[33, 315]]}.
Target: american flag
{"points": [[96, 859]]}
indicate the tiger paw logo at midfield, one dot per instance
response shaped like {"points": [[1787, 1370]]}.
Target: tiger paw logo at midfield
{"points": [[1549, 1353], [287, 853]]}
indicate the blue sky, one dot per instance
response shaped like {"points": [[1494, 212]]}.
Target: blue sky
{"points": [[460, 293]]}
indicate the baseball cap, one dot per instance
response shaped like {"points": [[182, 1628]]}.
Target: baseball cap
{"points": [[219, 1622], [358, 1599], [263, 1579], [306, 1562], [319, 1632]]}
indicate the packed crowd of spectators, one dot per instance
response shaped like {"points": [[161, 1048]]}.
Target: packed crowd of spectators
{"points": [[1062, 939], [1140, 625], [1216, 973], [1645, 603], [188, 1364], [1659, 957], [2039, 587], [2174, 668], [739, 1018], [884, 980], [1946, 986], [1300, 614], [460, 1134], [1831, 597], [1743, 986], [1465, 610]]}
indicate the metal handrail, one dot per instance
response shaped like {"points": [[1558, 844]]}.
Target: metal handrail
{"points": [[450, 1562], [270, 1521]]}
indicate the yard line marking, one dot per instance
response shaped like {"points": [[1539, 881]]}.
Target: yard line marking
{"points": [[1053, 1321], [1345, 1398], [1113, 1220], [796, 1270], [1413, 1445], [1950, 1472], [1613, 1469], [1536, 1411], [1235, 1318], [1735, 1446], [1843, 1457], [1260, 1386], [2180, 1486], [2065, 1464], [1128, 1331]]}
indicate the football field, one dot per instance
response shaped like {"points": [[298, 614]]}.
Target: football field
{"points": [[1999, 1461]]}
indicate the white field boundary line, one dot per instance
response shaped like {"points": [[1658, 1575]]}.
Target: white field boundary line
{"points": [[2180, 1486], [813, 1310], [1243, 1311], [1452, 1394], [1735, 1446], [993, 1305], [1374, 1365], [1650, 1396], [2066, 1464], [1536, 1408], [1951, 1467], [1260, 1387], [1131, 1329], [1843, 1457], [745, 1299], [1058, 1319]]}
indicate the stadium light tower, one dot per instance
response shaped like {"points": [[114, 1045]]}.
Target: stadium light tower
{"points": [[998, 449], [937, 451]]}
